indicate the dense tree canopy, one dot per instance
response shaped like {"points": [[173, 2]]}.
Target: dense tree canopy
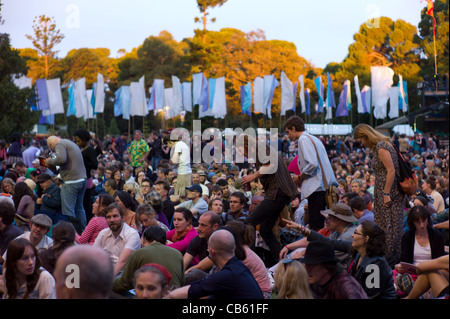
{"points": [[14, 102], [240, 57]]}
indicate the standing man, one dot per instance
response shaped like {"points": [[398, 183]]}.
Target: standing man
{"points": [[30, 154], [138, 151], [73, 174], [82, 139], [182, 157], [119, 146], [310, 178], [156, 150]]}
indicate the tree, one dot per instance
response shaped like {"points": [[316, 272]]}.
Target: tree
{"points": [[241, 57], [17, 115], [159, 57], [392, 44], [88, 63], [45, 38], [441, 14], [204, 6]]}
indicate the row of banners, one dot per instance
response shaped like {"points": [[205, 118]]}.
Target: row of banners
{"points": [[210, 95]]}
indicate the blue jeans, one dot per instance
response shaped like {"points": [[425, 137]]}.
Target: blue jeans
{"points": [[155, 161], [72, 196]]}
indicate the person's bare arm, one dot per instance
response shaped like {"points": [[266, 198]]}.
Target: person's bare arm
{"points": [[123, 258], [386, 159], [440, 263]]}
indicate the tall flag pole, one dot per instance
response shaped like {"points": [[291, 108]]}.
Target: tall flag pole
{"points": [[430, 7]]}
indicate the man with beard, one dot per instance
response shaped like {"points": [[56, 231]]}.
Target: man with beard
{"points": [[119, 239]]}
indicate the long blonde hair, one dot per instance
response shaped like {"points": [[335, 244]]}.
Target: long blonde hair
{"points": [[368, 133], [291, 281]]}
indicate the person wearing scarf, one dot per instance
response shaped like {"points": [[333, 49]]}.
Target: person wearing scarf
{"points": [[183, 232]]}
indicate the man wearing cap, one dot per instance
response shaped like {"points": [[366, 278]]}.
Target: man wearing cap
{"points": [[50, 200], [39, 227], [196, 204], [196, 180], [326, 277]]}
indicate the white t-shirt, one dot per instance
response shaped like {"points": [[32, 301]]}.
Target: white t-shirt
{"points": [[184, 163], [421, 253]]}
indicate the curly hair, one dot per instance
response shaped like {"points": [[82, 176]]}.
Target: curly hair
{"points": [[376, 245]]}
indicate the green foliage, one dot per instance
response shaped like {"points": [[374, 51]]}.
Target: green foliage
{"points": [[426, 41], [86, 63], [14, 106], [204, 6], [45, 38]]}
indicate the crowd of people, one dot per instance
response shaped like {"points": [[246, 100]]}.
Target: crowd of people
{"points": [[141, 219]]}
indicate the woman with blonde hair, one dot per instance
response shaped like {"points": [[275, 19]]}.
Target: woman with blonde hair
{"points": [[388, 200], [291, 280]]}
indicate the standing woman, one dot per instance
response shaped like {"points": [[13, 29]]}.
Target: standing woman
{"points": [[23, 276], [82, 138], [279, 191], [388, 201]]}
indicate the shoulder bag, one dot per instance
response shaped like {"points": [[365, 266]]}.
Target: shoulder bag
{"points": [[331, 192]]}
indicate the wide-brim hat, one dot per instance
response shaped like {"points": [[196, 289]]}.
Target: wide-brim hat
{"points": [[341, 211], [317, 253]]}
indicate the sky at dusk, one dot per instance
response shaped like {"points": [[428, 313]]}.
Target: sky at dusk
{"points": [[322, 30]]}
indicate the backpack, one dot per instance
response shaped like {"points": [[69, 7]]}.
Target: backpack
{"points": [[407, 181]]}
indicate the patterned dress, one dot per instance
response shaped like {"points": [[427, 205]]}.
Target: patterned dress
{"points": [[389, 218]]}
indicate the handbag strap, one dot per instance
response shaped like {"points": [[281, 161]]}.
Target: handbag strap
{"points": [[320, 163]]}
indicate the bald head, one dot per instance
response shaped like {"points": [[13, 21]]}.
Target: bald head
{"points": [[52, 141], [83, 272], [222, 241]]}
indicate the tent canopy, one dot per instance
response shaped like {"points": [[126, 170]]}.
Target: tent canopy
{"points": [[403, 129], [329, 129]]}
